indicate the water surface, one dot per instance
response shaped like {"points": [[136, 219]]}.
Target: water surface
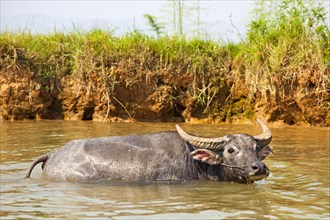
{"points": [[297, 188]]}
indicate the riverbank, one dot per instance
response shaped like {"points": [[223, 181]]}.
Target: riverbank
{"points": [[157, 89], [279, 72]]}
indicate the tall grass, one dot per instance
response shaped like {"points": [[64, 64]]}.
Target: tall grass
{"points": [[287, 45], [285, 58]]}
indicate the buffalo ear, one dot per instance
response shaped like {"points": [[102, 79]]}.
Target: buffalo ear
{"points": [[265, 151], [206, 156]]}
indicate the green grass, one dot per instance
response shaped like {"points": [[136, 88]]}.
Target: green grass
{"points": [[284, 59]]}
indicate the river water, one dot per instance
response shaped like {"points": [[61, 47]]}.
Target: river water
{"points": [[297, 188]]}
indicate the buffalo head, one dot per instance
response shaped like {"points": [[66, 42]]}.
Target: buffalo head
{"points": [[235, 157]]}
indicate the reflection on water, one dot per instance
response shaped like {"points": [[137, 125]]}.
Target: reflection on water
{"points": [[298, 186]]}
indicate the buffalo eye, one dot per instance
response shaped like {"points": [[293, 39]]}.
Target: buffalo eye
{"points": [[230, 150], [258, 148]]}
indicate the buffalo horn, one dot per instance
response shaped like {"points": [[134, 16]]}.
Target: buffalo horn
{"points": [[199, 142], [265, 138]]}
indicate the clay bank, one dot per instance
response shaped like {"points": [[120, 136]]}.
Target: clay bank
{"points": [[162, 80]]}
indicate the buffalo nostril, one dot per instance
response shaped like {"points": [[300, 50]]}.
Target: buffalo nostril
{"points": [[255, 168], [259, 168]]}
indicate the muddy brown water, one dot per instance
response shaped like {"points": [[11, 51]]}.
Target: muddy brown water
{"points": [[297, 188]]}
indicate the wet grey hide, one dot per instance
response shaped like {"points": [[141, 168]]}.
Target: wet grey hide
{"points": [[162, 156]]}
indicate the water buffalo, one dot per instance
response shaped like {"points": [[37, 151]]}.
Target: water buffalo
{"points": [[162, 156]]}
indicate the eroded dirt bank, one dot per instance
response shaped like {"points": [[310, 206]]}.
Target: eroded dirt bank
{"points": [[147, 96]]}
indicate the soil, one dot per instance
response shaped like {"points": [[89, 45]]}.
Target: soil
{"points": [[146, 97]]}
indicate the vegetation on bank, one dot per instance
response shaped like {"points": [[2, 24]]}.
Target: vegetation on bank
{"points": [[281, 68]]}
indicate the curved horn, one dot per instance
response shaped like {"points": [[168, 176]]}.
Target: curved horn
{"points": [[265, 138], [199, 142]]}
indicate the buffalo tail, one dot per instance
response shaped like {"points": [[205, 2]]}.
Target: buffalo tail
{"points": [[40, 159]]}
